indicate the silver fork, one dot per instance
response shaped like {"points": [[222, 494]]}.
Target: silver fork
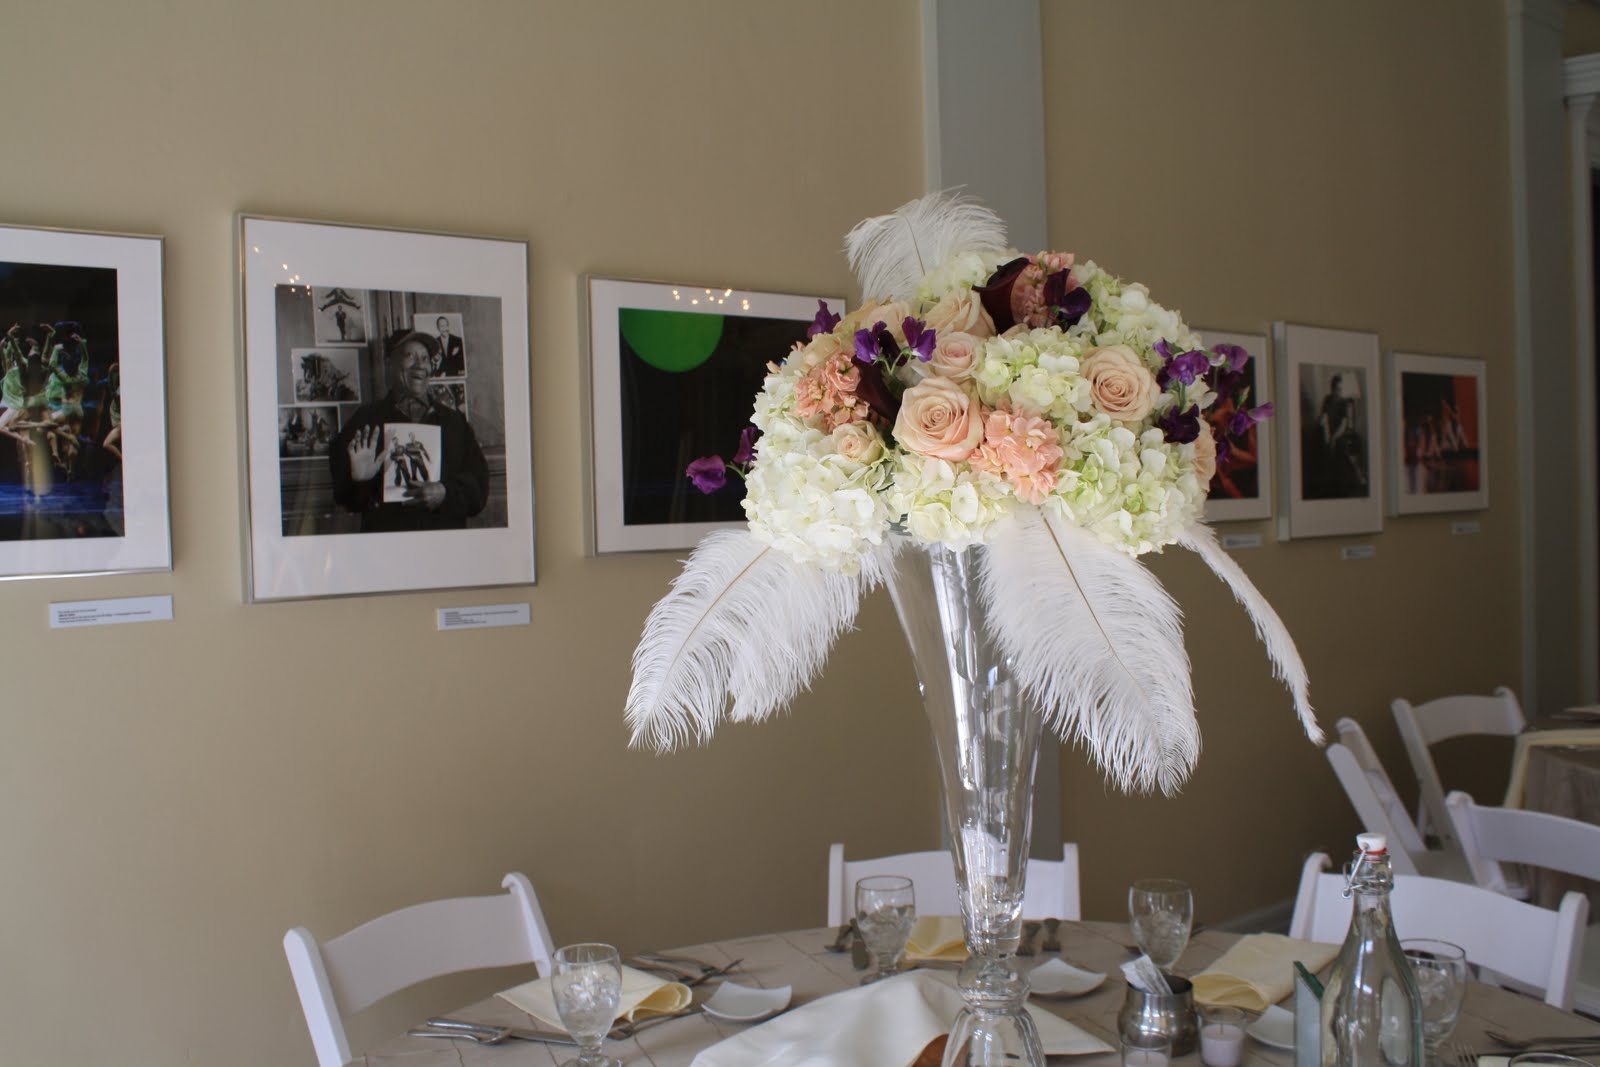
{"points": [[1459, 1054]]}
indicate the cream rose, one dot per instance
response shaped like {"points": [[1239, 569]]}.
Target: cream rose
{"points": [[858, 442], [960, 311], [820, 349], [955, 356], [1119, 383], [1205, 455], [939, 418]]}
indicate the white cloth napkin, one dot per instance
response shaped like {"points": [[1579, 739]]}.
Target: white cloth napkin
{"points": [[1259, 970], [885, 1024], [643, 995]]}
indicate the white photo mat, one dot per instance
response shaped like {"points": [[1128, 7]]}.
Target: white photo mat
{"points": [[1337, 488], [605, 299], [146, 541], [282, 251], [1259, 506], [1410, 493]]}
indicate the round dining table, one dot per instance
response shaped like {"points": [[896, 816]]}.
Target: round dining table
{"points": [[802, 961]]}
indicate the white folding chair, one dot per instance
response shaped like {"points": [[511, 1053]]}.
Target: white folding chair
{"points": [[1371, 792], [397, 950], [1534, 946], [1491, 836], [1051, 891], [1424, 725]]}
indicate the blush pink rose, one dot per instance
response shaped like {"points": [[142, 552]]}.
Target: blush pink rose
{"points": [[1205, 454], [858, 442], [939, 418], [960, 311], [955, 356], [1119, 383]]}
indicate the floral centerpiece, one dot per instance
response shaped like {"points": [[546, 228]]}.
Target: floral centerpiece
{"points": [[1033, 403], [998, 438]]}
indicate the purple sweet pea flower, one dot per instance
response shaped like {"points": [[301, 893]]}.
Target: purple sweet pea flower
{"points": [[919, 338], [708, 473], [747, 445], [1164, 350], [1233, 356], [1186, 368], [824, 322], [867, 344], [1180, 427], [1244, 418], [1066, 308]]}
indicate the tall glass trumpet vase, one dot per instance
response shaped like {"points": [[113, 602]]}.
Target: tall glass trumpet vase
{"points": [[987, 738]]}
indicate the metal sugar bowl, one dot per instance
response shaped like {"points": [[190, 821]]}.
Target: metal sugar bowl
{"points": [[1165, 1015]]}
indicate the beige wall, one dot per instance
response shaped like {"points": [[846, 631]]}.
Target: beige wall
{"points": [[1346, 167], [173, 796]]}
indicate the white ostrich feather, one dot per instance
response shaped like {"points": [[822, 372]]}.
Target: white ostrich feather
{"points": [[743, 622], [1286, 662], [1098, 643], [890, 253]]}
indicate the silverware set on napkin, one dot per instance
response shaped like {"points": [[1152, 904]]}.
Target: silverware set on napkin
{"points": [[691, 972], [487, 1034]]}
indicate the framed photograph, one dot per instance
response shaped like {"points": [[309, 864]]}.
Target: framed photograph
{"points": [[673, 376], [83, 425], [1438, 434], [369, 469], [1331, 476], [1242, 486]]}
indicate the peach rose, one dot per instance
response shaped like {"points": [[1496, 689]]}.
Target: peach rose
{"points": [[1205, 454], [1119, 383], [939, 418], [820, 349], [960, 311], [859, 442], [955, 356]]}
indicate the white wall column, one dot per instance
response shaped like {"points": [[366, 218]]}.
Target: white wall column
{"points": [[1582, 76], [1547, 423], [983, 123]]}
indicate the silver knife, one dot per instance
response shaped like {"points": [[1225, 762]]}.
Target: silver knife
{"points": [[548, 1036]]}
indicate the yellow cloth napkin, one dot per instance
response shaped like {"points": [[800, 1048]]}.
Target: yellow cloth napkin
{"points": [[643, 995], [1259, 970], [1519, 759], [937, 937]]}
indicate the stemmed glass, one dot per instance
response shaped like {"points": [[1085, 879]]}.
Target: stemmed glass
{"points": [[886, 909], [588, 990], [1161, 911], [1440, 969]]}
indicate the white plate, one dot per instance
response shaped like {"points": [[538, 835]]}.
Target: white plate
{"points": [[1058, 978], [1275, 1028], [743, 1004]]}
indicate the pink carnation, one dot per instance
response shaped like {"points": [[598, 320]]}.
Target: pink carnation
{"points": [[828, 391], [1025, 450]]}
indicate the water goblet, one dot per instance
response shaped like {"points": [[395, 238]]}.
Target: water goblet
{"points": [[587, 982], [1440, 969], [886, 909], [1161, 911]]}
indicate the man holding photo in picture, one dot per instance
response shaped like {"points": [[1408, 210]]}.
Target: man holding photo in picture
{"points": [[459, 484]]}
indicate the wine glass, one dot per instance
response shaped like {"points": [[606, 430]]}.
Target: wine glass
{"points": [[1160, 911], [1440, 969], [588, 990], [886, 909]]}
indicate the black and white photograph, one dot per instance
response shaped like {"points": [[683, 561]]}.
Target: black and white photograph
{"points": [[325, 375], [1335, 461], [306, 430], [1331, 434], [451, 394], [65, 331], [383, 473], [388, 468], [341, 317], [446, 330]]}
